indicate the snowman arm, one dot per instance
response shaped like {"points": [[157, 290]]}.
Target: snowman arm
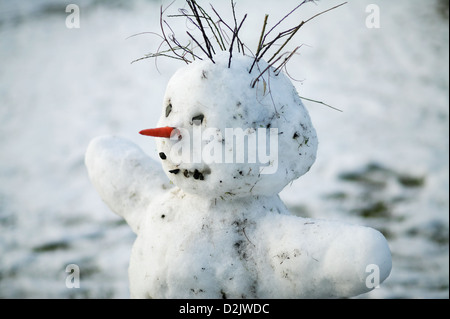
{"points": [[125, 177], [324, 259]]}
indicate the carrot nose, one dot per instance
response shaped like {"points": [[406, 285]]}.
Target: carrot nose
{"points": [[165, 132]]}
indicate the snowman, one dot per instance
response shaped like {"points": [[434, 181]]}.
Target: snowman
{"points": [[211, 223]]}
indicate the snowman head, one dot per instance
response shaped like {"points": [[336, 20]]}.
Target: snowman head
{"points": [[227, 132]]}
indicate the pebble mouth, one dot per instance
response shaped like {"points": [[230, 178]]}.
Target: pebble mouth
{"points": [[196, 174]]}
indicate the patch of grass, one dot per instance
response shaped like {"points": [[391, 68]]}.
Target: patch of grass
{"points": [[300, 211], [51, 246], [377, 176], [339, 196], [365, 178], [411, 181], [443, 8], [378, 209]]}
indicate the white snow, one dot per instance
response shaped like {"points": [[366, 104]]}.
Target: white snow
{"points": [[60, 88]]}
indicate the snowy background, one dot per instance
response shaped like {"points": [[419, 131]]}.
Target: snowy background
{"points": [[383, 162]]}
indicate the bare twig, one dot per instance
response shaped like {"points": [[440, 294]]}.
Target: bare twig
{"points": [[165, 37], [243, 230], [328, 10], [294, 31], [209, 49], [265, 70], [228, 27], [318, 102], [199, 45], [212, 25], [286, 60], [260, 43], [142, 33], [227, 38], [235, 36], [261, 39], [184, 48], [285, 17], [265, 46]]}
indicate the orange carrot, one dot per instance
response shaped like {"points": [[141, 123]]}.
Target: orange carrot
{"points": [[158, 132]]}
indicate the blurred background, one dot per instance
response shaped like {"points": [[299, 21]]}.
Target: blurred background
{"points": [[382, 162]]}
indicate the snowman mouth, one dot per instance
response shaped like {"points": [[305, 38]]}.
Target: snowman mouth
{"points": [[196, 174]]}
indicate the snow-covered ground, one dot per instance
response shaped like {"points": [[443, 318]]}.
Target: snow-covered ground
{"points": [[383, 162]]}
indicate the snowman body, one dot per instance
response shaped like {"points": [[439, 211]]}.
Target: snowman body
{"points": [[248, 248], [212, 225]]}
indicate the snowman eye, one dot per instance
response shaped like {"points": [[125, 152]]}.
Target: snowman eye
{"points": [[168, 109], [198, 120]]}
